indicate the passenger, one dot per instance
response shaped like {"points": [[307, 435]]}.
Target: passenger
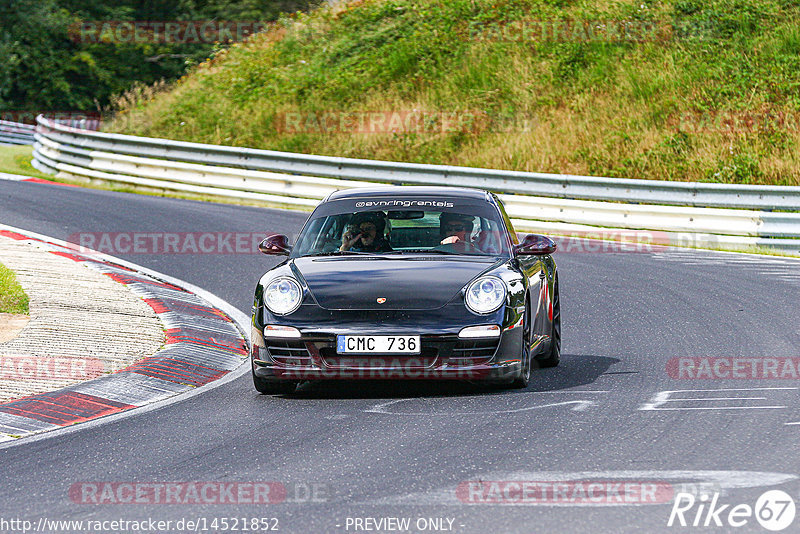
{"points": [[365, 233], [456, 229]]}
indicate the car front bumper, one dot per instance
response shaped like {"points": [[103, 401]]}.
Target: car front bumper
{"points": [[499, 372], [443, 357]]}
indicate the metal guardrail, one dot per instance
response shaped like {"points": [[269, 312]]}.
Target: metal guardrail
{"points": [[544, 202], [15, 133], [528, 183]]}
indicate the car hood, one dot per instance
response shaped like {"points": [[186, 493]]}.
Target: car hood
{"points": [[412, 283]]}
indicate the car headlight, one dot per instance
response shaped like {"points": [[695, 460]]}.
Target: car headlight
{"points": [[283, 296], [485, 295]]}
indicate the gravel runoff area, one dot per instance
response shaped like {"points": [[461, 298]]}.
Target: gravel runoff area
{"points": [[82, 324]]}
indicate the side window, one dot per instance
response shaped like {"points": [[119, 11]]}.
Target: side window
{"points": [[320, 236], [307, 239], [491, 237], [330, 234], [507, 221]]}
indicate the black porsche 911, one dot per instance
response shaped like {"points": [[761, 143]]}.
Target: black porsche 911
{"points": [[406, 283]]}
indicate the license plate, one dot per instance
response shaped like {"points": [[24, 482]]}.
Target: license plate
{"points": [[377, 344]]}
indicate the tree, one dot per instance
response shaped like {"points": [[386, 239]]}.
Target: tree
{"points": [[46, 68]]}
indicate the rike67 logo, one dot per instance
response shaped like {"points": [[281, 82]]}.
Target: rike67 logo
{"points": [[774, 510]]}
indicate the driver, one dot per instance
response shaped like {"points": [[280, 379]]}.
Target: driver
{"points": [[455, 228], [365, 233]]}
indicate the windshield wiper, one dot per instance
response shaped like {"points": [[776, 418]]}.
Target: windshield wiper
{"points": [[424, 251], [339, 253]]}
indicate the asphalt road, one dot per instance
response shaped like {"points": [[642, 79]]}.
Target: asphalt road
{"points": [[609, 414]]}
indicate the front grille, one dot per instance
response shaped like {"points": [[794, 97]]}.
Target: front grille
{"points": [[434, 348], [370, 361], [290, 352], [475, 349]]}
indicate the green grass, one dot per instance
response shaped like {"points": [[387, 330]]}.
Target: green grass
{"points": [[12, 298], [16, 159], [602, 107]]}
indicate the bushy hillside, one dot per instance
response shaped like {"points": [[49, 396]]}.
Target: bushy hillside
{"points": [[680, 90]]}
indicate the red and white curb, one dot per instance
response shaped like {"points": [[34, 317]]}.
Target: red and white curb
{"points": [[21, 178], [206, 340]]}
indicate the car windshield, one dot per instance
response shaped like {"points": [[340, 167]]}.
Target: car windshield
{"points": [[464, 230]]}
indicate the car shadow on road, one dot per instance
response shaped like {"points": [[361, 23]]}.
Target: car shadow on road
{"points": [[575, 370]]}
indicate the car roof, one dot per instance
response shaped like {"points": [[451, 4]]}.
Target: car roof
{"points": [[416, 190]]}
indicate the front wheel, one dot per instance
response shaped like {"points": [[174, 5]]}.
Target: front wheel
{"points": [[553, 354], [524, 377], [272, 387]]}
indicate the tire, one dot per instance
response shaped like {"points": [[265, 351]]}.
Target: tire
{"points": [[272, 387], [524, 377], [553, 354]]}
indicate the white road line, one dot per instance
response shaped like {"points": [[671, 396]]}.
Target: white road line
{"points": [[579, 406], [717, 408], [727, 389], [717, 399], [565, 391], [663, 397]]}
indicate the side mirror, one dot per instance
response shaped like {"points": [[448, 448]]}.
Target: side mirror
{"points": [[535, 245], [275, 245]]}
